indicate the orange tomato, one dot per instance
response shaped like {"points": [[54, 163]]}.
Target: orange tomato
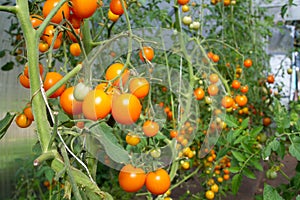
{"points": [[148, 52], [244, 89], [241, 100], [114, 73], [131, 179], [69, 103], [199, 93], [139, 87], [216, 58], [43, 47], [158, 182], [50, 80], [111, 16], [28, 112], [96, 105], [150, 128], [36, 20], [236, 84], [24, 81], [75, 49], [84, 8], [248, 63], [116, 6], [227, 102], [182, 2], [212, 89], [266, 121], [213, 78], [126, 108], [64, 11], [26, 69], [271, 78], [22, 121]]}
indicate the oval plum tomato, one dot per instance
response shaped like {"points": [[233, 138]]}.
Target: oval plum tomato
{"points": [[244, 89], [199, 93], [96, 105], [112, 17], [248, 63], [132, 139], [271, 78], [236, 84], [116, 7], [150, 128], [28, 112], [139, 87], [182, 2], [84, 8], [131, 179], [64, 11], [69, 103], [213, 78], [241, 100], [126, 108], [158, 182], [114, 73], [227, 102], [51, 79], [26, 69], [36, 20], [22, 121], [148, 52], [24, 81], [212, 89], [43, 47], [75, 49]]}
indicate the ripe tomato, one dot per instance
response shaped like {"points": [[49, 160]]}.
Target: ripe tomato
{"points": [[64, 11], [131, 179], [43, 47], [185, 8], [244, 89], [22, 121], [75, 21], [241, 100], [248, 63], [150, 128], [69, 103], [49, 34], [214, 188], [213, 78], [173, 134], [226, 2], [111, 16], [51, 79], [116, 7], [148, 53], [84, 8], [24, 80], [212, 89], [271, 78], [126, 108], [236, 84], [26, 69], [185, 165], [96, 105], [216, 58], [75, 49], [266, 121], [209, 194], [36, 20], [182, 2], [199, 93], [132, 139], [139, 87], [227, 102], [210, 55], [158, 182], [114, 71], [72, 36], [28, 112]]}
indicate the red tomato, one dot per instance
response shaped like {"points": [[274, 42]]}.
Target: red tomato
{"points": [[116, 7]]}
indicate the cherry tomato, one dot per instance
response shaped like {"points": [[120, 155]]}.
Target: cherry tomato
{"points": [[244, 89], [126, 108], [148, 53], [75, 49], [22, 121], [227, 102], [150, 128], [75, 21], [36, 20], [84, 8], [212, 89], [236, 84], [24, 80], [28, 112], [214, 188], [209, 194], [116, 7], [64, 11], [139, 87], [111, 16], [182, 2], [213, 78], [69, 103], [132, 139], [96, 105], [51, 79], [248, 63], [199, 93], [131, 179], [241, 100], [26, 69], [114, 71], [43, 47], [271, 78], [266, 121], [73, 36], [216, 58], [158, 182]]}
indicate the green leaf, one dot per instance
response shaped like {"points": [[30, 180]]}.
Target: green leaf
{"points": [[275, 144], [222, 152], [5, 123], [245, 123], [240, 139], [8, 66], [104, 134], [298, 197], [239, 156], [2, 54], [254, 132], [295, 150], [49, 173], [271, 193], [257, 164], [229, 120], [234, 169], [235, 183], [247, 172]]}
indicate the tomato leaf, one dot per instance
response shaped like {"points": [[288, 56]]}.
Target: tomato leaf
{"points": [[294, 149], [104, 135], [271, 193], [8, 66], [247, 172], [257, 164], [236, 182], [239, 156], [229, 120], [245, 123], [5, 123], [254, 132], [234, 169], [274, 145]]}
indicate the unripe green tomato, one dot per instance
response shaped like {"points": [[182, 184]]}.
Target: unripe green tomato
{"points": [[80, 91], [289, 70], [155, 153], [271, 174], [196, 25], [187, 20]]}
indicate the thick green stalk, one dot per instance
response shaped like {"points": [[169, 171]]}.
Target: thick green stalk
{"points": [[38, 103]]}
